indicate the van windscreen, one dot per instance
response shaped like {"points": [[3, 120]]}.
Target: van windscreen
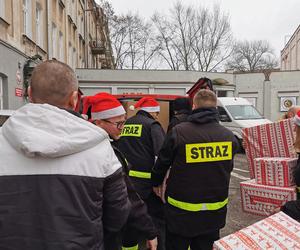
{"points": [[243, 112]]}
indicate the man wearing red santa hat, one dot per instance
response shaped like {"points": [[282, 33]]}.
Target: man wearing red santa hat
{"points": [[108, 114], [141, 140]]}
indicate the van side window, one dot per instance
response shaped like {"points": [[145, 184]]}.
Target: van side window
{"points": [[221, 111], [223, 114]]}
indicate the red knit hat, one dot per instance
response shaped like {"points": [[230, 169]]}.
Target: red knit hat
{"points": [[104, 106], [148, 104]]}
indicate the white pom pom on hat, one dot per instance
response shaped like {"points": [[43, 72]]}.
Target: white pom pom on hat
{"points": [[131, 107]]}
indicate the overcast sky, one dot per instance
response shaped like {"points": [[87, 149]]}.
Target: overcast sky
{"points": [[272, 20]]}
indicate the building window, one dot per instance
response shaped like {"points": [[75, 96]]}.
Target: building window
{"points": [[81, 26], [61, 47], [27, 18], [54, 41], [1, 93], [2, 9], [73, 10], [70, 55], [39, 25], [74, 58]]}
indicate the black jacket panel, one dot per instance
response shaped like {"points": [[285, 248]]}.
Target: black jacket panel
{"points": [[42, 212], [181, 116]]}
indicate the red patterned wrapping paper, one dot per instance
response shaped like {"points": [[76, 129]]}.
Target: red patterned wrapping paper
{"points": [[264, 200], [278, 231], [275, 171], [269, 140]]}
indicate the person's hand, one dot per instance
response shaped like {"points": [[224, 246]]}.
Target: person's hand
{"points": [[152, 244], [158, 191]]}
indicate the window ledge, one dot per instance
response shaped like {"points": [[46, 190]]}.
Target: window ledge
{"points": [[3, 21], [81, 37], [41, 49], [27, 39]]}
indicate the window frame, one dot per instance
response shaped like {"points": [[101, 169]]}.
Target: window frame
{"points": [[39, 25], [61, 47], [1, 92], [54, 40], [27, 18], [2, 9]]}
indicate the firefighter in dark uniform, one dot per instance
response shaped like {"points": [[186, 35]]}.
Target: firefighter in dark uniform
{"points": [[108, 114], [141, 140], [200, 153]]}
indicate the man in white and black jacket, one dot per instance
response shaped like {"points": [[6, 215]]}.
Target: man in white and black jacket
{"points": [[61, 184]]}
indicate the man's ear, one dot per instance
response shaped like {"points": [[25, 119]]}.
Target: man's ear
{"points": [[194, 106], [29, 91], [73, 99]]}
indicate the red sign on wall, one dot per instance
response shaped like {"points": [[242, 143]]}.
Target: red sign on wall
{"points": [[18, 92]]}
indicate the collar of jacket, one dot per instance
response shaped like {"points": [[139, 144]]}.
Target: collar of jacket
{"points": [[204, 115], [184, 111], [73, 112], [145, 113]]}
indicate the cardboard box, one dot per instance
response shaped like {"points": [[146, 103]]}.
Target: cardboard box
{"points": [[264, 200], [275, 171], [269, 140], [278, 231]]}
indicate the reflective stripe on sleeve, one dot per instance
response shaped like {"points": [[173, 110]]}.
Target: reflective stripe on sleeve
{"points": [[139, 174], [196, 207], [136, 247]]}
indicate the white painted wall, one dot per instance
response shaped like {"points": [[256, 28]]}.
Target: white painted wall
{"points": [[266, 94]]}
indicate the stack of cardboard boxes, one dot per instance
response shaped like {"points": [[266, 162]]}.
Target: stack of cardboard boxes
{"points": [[272, 160], [278, 231]]}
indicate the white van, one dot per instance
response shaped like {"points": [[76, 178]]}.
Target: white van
{"points": [[237, 113]]}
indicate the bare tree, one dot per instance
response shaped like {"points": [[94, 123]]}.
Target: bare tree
{"points": [[188, 38], [165, 39], [252, 55], [132, 41], [213, 39], [194, 38]]}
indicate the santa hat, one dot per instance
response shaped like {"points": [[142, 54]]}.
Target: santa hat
{"points": [[296, 119], [148, 104], [104, 106]]}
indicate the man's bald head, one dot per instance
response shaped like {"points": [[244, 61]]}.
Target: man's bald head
{"points": [[53, 82], [205, 98]]}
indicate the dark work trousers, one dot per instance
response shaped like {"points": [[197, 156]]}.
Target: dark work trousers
{"points": [[112, 241], [155, 208], [131, 237], [201, 242]]}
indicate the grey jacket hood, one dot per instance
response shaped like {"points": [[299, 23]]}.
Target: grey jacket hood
{"points": [[47, 131]]}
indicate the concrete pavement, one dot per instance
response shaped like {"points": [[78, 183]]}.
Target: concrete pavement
{"points": [[236, 218]]}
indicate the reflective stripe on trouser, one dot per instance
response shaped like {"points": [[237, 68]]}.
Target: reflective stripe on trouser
{"points": [[136, 247], [195, 207], [139, 174]]}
